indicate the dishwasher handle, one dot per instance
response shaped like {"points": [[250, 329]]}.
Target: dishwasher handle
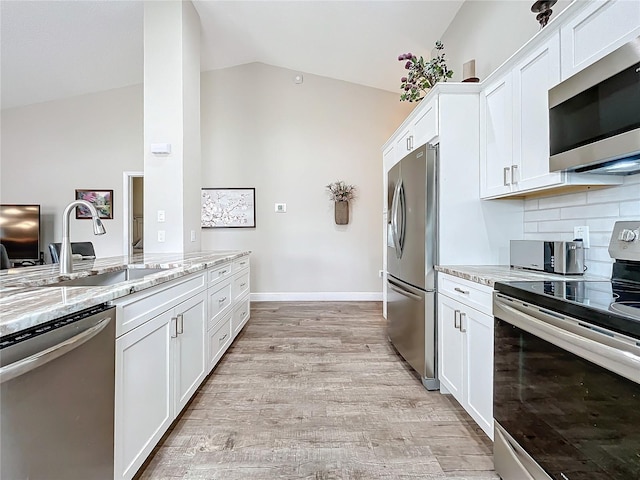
{"points": [[25, 365]]}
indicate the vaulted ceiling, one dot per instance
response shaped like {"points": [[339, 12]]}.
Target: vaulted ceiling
{"points": [[57, 49]]}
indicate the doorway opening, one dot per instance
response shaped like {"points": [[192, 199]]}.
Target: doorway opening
{"points": [[133, 203]]}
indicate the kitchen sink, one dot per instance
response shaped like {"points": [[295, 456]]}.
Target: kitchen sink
{"points": [[108, 278]]}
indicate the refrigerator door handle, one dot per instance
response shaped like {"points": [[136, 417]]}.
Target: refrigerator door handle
{"points": [[397, 288], [402, 207], [394, 221]]}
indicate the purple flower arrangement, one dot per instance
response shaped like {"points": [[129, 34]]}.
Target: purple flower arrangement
{"points": [[422, 75]]}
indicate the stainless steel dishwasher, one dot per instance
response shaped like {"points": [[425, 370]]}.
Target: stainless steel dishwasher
{"points": [[57, 399]]}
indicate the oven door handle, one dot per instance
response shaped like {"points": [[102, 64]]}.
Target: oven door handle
{"points": [[623, 360]]}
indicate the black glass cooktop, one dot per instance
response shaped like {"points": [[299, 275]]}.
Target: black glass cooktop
{"points": [[610, 304]]}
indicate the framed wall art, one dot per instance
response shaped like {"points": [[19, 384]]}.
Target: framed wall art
{"points": [[101, 199], [228, 208]]}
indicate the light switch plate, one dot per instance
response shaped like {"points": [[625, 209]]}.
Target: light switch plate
{"points": [[582, 233], [161, 234], [161, 216], [281, 208]]}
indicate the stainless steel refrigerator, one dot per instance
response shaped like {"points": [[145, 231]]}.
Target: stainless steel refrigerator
{"points": [[411, 254]]}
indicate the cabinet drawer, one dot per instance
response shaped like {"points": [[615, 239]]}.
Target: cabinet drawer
{"points": [[219, 301], [133, 310], [240, 284], [468, 293], [219, 341], [219, 273], [240, 264], [241, 315]]}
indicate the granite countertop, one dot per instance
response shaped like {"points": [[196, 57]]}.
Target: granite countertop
{"points": [[27, 301], [490, 274]]}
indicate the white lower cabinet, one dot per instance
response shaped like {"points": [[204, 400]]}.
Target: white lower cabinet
{"points": [[220, 337], [143, 409], [158, 367], [465, 354], [169, 338], [190, 348]]}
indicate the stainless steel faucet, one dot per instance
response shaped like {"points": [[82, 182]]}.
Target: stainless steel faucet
{"points": [[66, 261]]}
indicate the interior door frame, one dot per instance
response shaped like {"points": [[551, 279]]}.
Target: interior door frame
{"points": [[127, 208]]}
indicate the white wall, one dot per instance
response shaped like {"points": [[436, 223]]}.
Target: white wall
{"points": [[85, 142], [289, 141], [490, 32], [553, 218]]}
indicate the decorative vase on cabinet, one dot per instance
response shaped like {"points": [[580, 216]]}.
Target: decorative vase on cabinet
{"points": [[342, 213]]}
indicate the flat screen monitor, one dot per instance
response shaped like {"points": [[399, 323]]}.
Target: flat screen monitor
{"points": [[20, 232]]}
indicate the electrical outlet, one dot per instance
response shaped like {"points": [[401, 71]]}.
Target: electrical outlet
{"points": [[160, 216], [161, 234], [281, 208], [582, 233], [193, 235]]}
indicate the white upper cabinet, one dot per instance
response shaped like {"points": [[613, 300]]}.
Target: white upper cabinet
{"points": [[532, 79], [425, 123], [496, 138], [514, 104], [421, 127], [596, 31]]}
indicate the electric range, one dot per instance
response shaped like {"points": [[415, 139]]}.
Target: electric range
{"points": [[567, 373]]}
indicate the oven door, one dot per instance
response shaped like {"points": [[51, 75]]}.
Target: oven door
{"points": [[566, 397]]}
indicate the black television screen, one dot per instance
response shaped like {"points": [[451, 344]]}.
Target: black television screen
{"points": [[20, 231]]}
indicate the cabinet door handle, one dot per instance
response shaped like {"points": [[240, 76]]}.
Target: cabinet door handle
{"points": [[463, 315], [243, 314], [222, 272], [180, 324], [505, 174], [243, 285], [465, 292], [456, 319], [222, 300], [514, 169], [221, 339], [174, 324]]}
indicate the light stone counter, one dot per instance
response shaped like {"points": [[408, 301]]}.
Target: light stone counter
{"points": [[490, 274], [27, 301]]}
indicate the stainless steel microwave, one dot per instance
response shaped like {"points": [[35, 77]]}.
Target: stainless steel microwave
{"points": [[594, 116]]}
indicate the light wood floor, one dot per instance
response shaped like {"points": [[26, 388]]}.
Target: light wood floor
{"points": [[314, 390]]}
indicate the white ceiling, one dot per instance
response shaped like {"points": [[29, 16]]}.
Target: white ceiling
{"points": [[56, 49]]}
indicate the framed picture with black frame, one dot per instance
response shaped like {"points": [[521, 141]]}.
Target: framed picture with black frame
{"points": [[228, 208], [101, 199]]}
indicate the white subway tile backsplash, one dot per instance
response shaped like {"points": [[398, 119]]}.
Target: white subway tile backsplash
{"points": [[538, 215], [601, 269], [599, 239], [563, 200], [598, 254], [557, 226], [630, 209], [604, 225], [553, 218], [614, 194], [590, 211]]}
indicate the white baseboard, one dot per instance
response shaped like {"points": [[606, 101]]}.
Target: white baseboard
{"points": [[317, 297]]}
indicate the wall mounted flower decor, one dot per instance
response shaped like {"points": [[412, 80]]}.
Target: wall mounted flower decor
{"points": [[341, 192]]}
